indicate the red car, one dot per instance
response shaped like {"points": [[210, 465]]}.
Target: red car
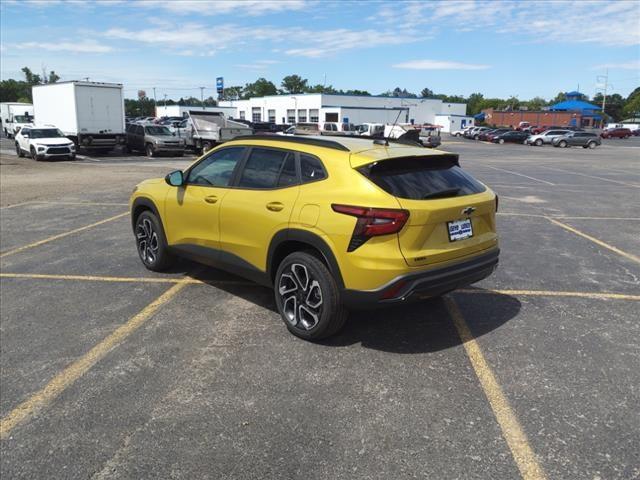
{"points": [[616, 133]]}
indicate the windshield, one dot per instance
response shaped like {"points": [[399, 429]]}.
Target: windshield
{"points": [[157, 130], [22, 119], [46, 133]]}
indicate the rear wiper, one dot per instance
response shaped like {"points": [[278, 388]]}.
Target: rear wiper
{"points": [[448, 192]]}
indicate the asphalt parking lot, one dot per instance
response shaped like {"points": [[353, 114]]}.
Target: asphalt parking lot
{"points": [[111, 371]]}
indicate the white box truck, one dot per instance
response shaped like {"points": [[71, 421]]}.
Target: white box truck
{"points": [[89, 113], [14, 116]]}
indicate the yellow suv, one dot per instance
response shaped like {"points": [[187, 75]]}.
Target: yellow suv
{"points": [[331, 224]]}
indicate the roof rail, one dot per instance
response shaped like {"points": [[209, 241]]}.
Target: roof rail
{"points": [[306, 140]]}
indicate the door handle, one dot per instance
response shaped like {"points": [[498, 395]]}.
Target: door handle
{"points": [[211, 199], [275, 206]]}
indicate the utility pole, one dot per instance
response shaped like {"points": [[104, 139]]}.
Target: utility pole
{"points": [[202, 96], [603, 83], [165, 99]]}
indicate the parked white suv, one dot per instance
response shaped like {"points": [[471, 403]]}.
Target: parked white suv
{"points": [[44, 143], [461, 132], [545, 138]]}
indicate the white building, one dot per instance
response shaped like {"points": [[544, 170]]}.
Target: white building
{"points": [[452, 122], [180, 111], [321, 107]]}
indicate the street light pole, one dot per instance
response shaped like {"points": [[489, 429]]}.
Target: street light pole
{"points": [[202, 97]]}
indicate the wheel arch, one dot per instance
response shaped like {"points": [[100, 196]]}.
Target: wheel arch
{"points": [[291, 240], [142, 204]]}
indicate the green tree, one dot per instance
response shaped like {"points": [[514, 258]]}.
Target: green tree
{"points": [[475, 103], [32, 78], [536, 103], [426, 93], [53, 77], [259, 88], [321, 89], [632, 105], [294, 84], [560, 97], [232, 93], [363, 93]]}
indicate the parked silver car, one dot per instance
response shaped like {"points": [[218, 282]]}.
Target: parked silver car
{"points": [[577, 139], [153, 139], [545, 138]]}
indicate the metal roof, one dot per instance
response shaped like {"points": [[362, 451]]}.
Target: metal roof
{"points": [[572, 105]]}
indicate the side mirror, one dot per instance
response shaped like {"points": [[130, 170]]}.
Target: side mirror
{"points": [[175, 178]]}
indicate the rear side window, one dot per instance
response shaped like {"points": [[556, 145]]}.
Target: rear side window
{"points": [[267, 168], [419, 178], [311, 169]]}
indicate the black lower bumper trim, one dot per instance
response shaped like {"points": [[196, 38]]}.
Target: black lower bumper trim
{"points": [[429, 283]]}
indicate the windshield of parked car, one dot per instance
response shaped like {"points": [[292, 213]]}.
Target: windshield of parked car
{"points": [[157, 130], [46, 133]]}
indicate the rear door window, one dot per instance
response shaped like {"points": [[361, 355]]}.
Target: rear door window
{"points": [[268, 168], [419, 178]]}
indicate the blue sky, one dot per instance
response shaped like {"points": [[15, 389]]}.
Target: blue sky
{"points": [[505, 48]]}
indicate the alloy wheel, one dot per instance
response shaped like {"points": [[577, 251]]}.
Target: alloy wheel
{"points": [[300, 296], [147, 239]]}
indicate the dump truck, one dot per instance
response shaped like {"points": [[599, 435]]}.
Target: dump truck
{"points": [[205, 130]]}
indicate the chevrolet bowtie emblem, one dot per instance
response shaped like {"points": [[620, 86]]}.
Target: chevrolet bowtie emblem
{"points": [[468, 210]]}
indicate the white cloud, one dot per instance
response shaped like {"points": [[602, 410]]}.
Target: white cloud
{"points": [[258, 64], [630, 65], [222, 7], [75, 47], [439, 65], [197, 37], [602, 22]]}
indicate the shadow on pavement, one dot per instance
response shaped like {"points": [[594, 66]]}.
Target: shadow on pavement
{"points": [[415, 328]]}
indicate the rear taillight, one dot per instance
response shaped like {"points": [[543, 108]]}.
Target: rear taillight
{"points": [[496, 203], [372, 222]]}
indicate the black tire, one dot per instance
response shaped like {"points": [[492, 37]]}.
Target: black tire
{"points": [[562, 144], [19, 151], [538, 142], [34, 155], [206, 146], [151, 152], [323, 314], [592, 145], [501, 141], [151, 242], [127, 149]]}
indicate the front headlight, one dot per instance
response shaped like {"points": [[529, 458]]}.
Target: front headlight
{"points": [[72, 146], [40, 148]]}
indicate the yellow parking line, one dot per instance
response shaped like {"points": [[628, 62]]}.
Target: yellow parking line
{"points": [[512, 432], [551, 293], [95, 278], [77, 369], [595, 240], [102, 278], [61, 235], [16, 205], [90, 204]]}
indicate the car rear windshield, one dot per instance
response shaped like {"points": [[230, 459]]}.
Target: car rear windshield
{"points": [[418, 178]]}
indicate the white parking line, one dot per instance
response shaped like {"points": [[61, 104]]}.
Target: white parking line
{"points": [[592, 176], [520, 175]]}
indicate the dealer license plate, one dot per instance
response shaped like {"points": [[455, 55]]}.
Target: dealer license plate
{"points": [[460, 229]]}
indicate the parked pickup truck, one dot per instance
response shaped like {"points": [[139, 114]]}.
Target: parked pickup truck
{"points": [[204, 130]]}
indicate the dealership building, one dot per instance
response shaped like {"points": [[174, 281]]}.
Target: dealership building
{"points": [[356, 109]]}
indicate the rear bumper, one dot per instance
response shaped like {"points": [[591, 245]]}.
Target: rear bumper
{"points": [[425, 284]]}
